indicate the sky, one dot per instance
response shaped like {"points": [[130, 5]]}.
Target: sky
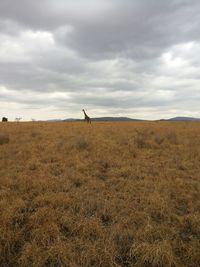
{"points": [[134, 58]]}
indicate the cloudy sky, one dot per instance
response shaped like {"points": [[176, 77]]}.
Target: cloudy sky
{"points": [[136, 58]]}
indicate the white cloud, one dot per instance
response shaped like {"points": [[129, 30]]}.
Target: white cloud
{"points": [[24, 46]]}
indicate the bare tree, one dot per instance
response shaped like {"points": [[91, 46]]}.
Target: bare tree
{"points": [[18, 119]]}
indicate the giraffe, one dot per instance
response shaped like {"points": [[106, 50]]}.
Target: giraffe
{"points": [[87, 118]]}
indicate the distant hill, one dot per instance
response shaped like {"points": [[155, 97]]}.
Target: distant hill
{"points": [[54, 120], [114, 119], [71, 119], [184, 119], [106, 119]]}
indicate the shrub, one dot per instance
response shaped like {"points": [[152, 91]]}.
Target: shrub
{"points": [[155, 255], [82, 143], [141, 142], [172, 138], [4, 139], [159, 140]]}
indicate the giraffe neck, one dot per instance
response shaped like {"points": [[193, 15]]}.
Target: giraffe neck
{"points": [[85, 113]]}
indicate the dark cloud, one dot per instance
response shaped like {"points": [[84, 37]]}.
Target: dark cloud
{"points": [[136, 29]]}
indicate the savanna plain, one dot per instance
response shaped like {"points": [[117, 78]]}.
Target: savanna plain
{"points": [[106, 194]]}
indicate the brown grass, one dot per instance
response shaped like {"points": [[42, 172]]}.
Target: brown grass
{"points": [[106, 194]]}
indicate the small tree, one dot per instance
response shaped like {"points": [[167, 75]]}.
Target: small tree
{"points": [[18, 119], [4, 119]]}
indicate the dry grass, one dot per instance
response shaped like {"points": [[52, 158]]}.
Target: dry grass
{"points": [[106, 194]]}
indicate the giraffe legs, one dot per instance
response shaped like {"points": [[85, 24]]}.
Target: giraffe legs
{"points": [[88, 120]]}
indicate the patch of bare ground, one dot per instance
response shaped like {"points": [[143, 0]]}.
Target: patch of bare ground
{"points": [[107, 194]]}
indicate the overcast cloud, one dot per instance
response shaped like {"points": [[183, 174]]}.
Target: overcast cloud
{"points": [[136, 58]]}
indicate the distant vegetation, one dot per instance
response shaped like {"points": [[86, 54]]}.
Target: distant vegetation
{"points": [[106, 194]]}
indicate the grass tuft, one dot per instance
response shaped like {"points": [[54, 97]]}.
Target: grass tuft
{"points": [[4, 138]]}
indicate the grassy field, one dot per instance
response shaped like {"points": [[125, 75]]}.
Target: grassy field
{"points": [[106, 194]]}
